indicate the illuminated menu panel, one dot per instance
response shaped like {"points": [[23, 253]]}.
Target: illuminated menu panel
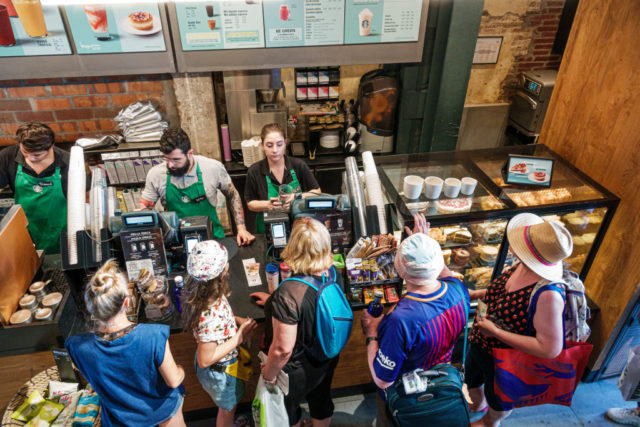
{"points": [[220, 25], [29, 29], [100, 28]]}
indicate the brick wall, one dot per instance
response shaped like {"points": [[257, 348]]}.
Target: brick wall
{"points": [[544, 26], [528, 29], [75, 107]]}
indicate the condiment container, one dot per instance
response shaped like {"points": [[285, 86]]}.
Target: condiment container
{"points": [[52, 300], [285, 271], [43, 314], [28, 302], [21, 317], [273, 276], [37, 289]]}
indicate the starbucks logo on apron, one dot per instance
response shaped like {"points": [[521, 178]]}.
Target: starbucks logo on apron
{"points": [[185, 199], [37, 188]]}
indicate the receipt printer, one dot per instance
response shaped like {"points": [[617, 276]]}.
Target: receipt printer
{"points": [[334, 211]]}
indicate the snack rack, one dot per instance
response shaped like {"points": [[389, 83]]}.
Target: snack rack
{"points": [[370, 267]]}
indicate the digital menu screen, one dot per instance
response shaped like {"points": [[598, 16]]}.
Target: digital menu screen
{"points": [[29, 29], [103, 28]]}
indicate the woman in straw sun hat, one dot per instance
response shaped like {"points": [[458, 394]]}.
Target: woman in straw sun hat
{"points": [[540, 246]]}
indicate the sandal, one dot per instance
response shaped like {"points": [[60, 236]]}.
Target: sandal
{"points": [[241, 421]]}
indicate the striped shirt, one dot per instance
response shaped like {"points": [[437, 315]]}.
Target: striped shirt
{"points": [[421, 330]]}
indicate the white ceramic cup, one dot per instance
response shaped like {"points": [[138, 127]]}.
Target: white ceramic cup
{"points": [[412, 186], [452, 187], [433, 187], [468, 185]]}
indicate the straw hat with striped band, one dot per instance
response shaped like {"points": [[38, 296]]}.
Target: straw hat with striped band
{"points": [[541, 245]]}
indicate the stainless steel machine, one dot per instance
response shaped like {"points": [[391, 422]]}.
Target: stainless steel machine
{"points": [[531, 100], [252, 102]]}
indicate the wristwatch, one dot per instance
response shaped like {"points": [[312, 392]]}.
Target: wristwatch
{"points": [[369, 339]]}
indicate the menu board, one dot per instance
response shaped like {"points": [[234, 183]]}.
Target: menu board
{"points": [[383, 21], [29, 29], [303, 22], [235, 24], [98, 28]]}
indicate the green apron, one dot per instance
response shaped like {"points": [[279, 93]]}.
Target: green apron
{"points": [[273, 190], [45, 207], [192, 201]]}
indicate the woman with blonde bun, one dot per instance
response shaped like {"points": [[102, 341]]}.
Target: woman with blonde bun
{"points": [[129, 365]]}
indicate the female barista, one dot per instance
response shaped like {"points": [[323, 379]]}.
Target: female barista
{"points": [[37, 172], [265, 177]]}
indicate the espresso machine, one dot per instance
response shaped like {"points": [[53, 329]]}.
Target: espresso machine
{"points": [[253, 100]]}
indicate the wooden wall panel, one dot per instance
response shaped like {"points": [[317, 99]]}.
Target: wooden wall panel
{"points": [[594, 122]]}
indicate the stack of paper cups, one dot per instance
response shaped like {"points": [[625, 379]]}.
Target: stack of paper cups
{"points": [[98, 197], [226, 142], [76, 190], [374, 189]]}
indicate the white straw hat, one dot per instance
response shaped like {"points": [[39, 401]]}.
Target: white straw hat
{"points": [[541, 245]]}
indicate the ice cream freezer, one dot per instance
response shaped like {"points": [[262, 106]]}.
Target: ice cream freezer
{"points": [[471, 228]]}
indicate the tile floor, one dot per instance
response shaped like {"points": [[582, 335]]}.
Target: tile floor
{"points": [[589, 405]]}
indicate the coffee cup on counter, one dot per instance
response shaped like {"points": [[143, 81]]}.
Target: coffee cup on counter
{"points": [[468, 185], [43, 314], [433, 187], [52, 300], [21, 317], [412, 186], [452, 187], [28, 302]]}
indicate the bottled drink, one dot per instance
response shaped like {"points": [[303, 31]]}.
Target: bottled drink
{"points": [[177, 291], [375, 306]]}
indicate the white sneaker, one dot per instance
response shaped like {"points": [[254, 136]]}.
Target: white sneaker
{"points": [[624, 416]]}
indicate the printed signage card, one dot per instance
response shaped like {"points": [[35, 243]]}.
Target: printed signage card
{"points": [[120, 28], [527, 170], [29, 29], [290, 23], [213, 25], [382, 21]]}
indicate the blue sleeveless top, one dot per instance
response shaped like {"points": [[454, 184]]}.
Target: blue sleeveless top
{"points": [[124, 372]]}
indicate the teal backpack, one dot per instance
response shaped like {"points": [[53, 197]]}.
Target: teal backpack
{"points": [[334, 317]]}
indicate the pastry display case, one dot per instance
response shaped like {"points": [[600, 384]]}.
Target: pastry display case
{"points": [[471, 228]]}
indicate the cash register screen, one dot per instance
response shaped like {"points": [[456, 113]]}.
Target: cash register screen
{"points": [[320, 204], [139, 220], [277, 231], [191, 242]]}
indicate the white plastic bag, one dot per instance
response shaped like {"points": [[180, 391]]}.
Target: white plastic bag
{"points": [[268, 406], [629, 382]]}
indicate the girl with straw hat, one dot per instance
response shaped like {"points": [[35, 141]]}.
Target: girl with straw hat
{"points": [[540, 246]]}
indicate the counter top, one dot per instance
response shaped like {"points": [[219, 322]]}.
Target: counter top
{"points": [[241, 303]]}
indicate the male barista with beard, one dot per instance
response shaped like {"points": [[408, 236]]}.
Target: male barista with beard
{"points": [[188, 185], [37, 173]]}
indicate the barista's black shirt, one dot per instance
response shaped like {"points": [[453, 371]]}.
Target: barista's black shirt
{"points": [[256, 185], [294, 303], [11, 157]]}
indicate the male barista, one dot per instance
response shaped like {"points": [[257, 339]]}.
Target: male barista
{"points": [[37, 173], [188, 185]]}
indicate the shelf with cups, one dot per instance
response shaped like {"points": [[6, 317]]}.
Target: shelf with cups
{"points": [[572, 198]]}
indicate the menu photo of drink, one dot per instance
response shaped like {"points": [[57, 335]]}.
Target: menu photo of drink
{"points": [[29, 29], [382, 21], [212, 25], [303, 22], [119, 28]]}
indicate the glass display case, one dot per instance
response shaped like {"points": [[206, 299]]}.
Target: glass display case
{"points": [[471, 229]]}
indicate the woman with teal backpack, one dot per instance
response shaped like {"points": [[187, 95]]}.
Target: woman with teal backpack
{"points": [[293, 320]]}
